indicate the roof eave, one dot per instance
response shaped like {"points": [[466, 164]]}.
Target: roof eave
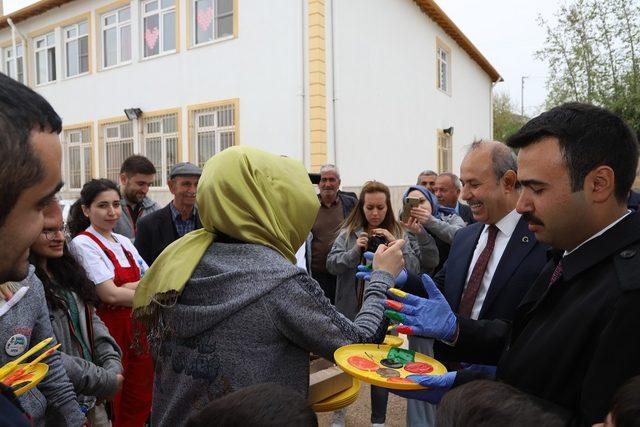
{"points": [[439, 17]]}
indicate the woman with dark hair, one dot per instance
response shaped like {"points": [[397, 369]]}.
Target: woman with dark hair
{"points": [[371, 221], [90, 355], [115, 267]]}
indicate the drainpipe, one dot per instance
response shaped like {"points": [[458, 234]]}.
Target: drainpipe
{"points": [[333, 88], [23, 38], [303, 85]]}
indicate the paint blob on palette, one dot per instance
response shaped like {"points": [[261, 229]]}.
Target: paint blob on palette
{"points": [[386, 366]]}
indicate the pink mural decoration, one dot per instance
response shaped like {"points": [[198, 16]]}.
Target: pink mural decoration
{"points": [[204, 19], [151, 37]]}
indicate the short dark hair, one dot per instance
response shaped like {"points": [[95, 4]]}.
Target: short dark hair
{"points": [[21, 111], [137, 164], [77, 220], [487, 403], [625, 409], [266, 404], [589, 137]]}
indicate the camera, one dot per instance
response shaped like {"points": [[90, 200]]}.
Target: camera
{"points": [[376, 240]]}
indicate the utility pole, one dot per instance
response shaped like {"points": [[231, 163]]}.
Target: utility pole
{"points": [[522, 94]]}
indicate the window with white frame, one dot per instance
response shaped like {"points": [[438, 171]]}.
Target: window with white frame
{"points": [[445, 159], [443, 63], [160, 139], [118, 145], [45, 53], [211, 19], [76, 47], [158, 27], [77, 157], [214, 131], [116, 37], [14, 62]]}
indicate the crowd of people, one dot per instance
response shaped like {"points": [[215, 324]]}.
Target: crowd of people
{"points": [[523, 280]]}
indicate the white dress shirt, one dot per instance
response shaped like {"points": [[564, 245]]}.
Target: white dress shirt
{"points": [[506, 226], [96, 263]]}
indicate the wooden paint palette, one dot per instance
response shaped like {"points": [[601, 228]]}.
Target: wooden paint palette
{"points": [[351, 359]]}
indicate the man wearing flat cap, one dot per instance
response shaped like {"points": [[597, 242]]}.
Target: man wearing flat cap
{"points": [[158, 230]]}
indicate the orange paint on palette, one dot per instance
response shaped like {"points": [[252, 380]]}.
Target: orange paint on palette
{"points": [[362, 363], [400, 380]]}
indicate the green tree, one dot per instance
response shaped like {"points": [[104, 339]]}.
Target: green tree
{"points": [[593, 52], [505, 120]]}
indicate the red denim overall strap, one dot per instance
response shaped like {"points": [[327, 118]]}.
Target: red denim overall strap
{"points": [[121, 275]]}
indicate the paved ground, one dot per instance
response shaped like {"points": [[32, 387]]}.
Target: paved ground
{"points": [[359, 413]]}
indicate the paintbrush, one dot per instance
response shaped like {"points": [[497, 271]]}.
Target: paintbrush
{"points": [[18, 373], [6, 369]]}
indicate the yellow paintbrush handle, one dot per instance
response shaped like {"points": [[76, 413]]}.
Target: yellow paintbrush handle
{"points": [[9, 367]]}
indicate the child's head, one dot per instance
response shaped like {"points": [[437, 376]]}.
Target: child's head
{"points": [[266, 404], [625, 409], [491, 403]]}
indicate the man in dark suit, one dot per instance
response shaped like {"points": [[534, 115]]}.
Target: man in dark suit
{"points": [[574, 339], [159, 229], [492, 263], [447, 190]]}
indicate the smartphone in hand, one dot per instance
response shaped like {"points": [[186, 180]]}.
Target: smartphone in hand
{"points": [[409, 203]]}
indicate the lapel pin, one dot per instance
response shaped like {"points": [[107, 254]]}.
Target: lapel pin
{"points": [[525, 239]]}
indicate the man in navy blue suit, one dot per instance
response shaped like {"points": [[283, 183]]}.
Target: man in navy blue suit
{"points": [[493, 262]]}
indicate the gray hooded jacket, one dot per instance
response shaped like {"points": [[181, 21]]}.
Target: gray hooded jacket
{"points": [[249, 316]]}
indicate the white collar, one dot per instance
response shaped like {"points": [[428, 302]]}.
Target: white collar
{"points": [[599, 233], [507, 224]]}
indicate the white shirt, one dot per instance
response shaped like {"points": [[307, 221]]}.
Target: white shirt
{"points": [[506, 226], [96, 263], [599, 233]]}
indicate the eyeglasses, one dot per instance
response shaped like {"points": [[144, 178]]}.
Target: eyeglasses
{"points": [[51, 234]]}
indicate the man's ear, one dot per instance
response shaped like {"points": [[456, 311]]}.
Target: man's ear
{"points": [[509, 180], [123, 178], [600, 184]]}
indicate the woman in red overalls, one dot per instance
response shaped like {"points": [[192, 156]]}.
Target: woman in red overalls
{"points": [[115, 267]]}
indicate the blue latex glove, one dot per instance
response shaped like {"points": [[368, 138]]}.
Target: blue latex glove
{"points": [[364, 271], [437, 385], [431, 317], [488, 370]]}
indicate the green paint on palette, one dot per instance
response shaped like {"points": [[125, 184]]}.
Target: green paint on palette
{"points": [[394, 315], [400, 355]]}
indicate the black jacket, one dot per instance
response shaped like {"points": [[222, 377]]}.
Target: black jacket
{"points": [[155, 232], [573, 344]]}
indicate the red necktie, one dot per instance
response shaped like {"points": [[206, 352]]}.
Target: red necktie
{"points": [[473, 286], [556, 274]]}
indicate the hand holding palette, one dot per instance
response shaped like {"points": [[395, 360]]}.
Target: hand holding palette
{"points": [[386, 366]]}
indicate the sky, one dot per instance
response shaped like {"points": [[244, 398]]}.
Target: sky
{"points": [[507, 34], [505, 31]]}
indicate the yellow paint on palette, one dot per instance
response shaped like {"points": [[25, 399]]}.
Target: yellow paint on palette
{"points": [[398, 293], [393, 341], [374, 353]]}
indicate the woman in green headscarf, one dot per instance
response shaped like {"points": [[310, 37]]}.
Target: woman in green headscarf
{"points": [[226, 306]]}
